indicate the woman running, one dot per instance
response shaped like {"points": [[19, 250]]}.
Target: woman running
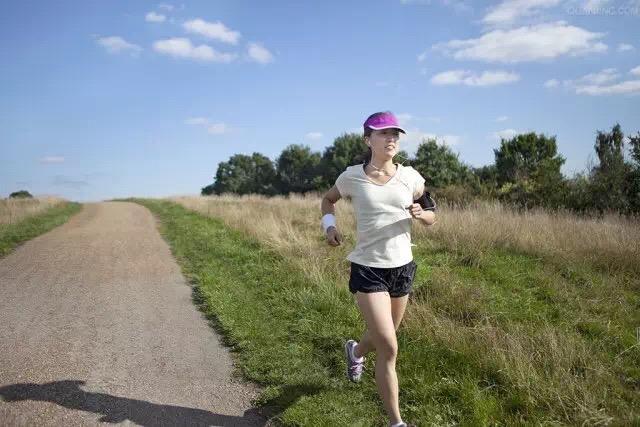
{"points": [[383, 194]]}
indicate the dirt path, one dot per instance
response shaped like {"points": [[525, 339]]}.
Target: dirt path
{"points": [[97, 325]]}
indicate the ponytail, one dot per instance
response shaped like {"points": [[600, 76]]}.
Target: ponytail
{"points": [[367, 156]]}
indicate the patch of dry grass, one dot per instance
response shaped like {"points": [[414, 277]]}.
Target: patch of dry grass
{"points": [[291, 226], [611, 243], [15, 210]]}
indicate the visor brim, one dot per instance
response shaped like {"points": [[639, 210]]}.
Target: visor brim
{"points": [[387, 127]]}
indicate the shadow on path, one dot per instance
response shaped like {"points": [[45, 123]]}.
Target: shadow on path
{"points": [[117, 409]]}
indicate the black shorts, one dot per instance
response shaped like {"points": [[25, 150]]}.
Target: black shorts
{"points": [[397, 281]]}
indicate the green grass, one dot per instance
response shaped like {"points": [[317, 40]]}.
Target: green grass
{"points": [[288, 332], [523, 296], [11, 235]]}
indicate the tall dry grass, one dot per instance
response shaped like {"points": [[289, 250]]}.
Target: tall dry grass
{"points": [[15, 210], [611, 242], [538, 362], [291, 226]]}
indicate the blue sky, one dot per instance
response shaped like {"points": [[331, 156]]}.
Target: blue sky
{"points": [[104, 99]]}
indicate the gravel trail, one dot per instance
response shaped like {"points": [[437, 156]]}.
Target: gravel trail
{"points": [[97, 326]]}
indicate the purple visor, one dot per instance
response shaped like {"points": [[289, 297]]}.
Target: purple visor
{"points": [[381, 121]]}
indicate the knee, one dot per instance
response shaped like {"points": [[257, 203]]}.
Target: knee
{"points": [[387, 347]]}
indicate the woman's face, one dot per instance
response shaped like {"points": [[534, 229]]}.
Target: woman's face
{"points": [[384, 143]]}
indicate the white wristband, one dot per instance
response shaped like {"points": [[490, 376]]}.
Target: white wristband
{"points": [[328, 220]]}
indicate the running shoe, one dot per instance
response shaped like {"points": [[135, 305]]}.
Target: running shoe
{"points": [[354, 366]]}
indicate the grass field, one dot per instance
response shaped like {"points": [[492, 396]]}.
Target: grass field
{"points": [[515, 319], [21, 220]]}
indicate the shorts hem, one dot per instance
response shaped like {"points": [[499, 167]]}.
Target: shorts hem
{"points": [[373, 291]]}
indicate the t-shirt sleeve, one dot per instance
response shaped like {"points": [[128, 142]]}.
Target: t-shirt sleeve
{"points": [[418, 180], [343, 184]]}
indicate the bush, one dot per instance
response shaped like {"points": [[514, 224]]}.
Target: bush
{"points": [[22, 194]]}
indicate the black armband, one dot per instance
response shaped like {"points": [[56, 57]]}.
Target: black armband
{"points": [[427, 203]]}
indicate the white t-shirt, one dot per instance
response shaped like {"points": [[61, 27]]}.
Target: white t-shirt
{"points": [[383, 222]]}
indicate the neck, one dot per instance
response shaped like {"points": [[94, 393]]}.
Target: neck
{"points": [[382, 164]]}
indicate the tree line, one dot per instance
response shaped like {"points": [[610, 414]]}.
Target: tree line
{"points": [[526, 172]]}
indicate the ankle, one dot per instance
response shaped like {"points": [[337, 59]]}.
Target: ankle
{"points": [[399, 424]]}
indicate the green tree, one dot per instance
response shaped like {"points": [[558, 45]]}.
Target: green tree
{"points": [[439, 165], [208, 190], [609, 178], [297, 169], [348, 149], [485, 180], [528, 170], [403, 157], [633, 180], [22, 194], [244, 174], [634, 142], [578, 195]]}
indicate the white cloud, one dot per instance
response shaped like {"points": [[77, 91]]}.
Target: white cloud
{"points": [[116, 44], [505, 134], [635, 71], [529, 43], [502, 118], [551, 83], [314, 135], [629, 87], [624, 47], [259, 53], [166, 7], [154, 17], [509, 11], [52, 159], [469, 78], [605, 76], [422, 56], [182, 48], [213, 30], [604, 83]]}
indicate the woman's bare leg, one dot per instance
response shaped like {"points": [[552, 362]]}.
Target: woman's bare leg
{"points": [[376, 309], [398, 306]]}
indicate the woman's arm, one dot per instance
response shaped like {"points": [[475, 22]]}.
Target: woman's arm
{"points": [[329, 200], [426, 217], [328, 208]]}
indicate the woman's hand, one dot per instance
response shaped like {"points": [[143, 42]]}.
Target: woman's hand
{"points": [[334, 238], [415, 210]]}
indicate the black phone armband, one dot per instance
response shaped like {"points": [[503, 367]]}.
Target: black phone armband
{"points": [[427, 203]]}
